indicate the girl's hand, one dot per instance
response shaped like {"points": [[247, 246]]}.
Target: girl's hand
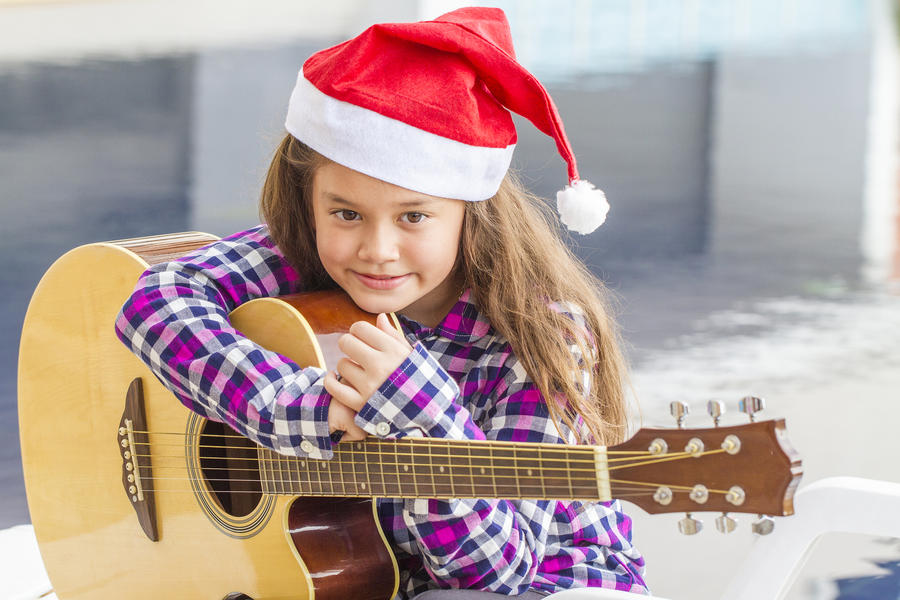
{"points": [[372, 353], [340, 418]]}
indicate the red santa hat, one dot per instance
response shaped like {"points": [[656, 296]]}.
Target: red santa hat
{"points": [[426, 106]]}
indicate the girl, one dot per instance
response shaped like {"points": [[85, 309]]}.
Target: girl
{"points": [[392, 184]]}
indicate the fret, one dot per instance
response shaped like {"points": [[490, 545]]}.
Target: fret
{"points": [[267, 461], [290, 469], [327, 466], [381, 467], [441, 475], [300, 474], [282, 488], [529, 474], [506, 481], [429, 470], [467, 478], [482, 471], [339, 455], [263, 475], [450, 474], [314, 476], [405, 460], [586, 475], [351, 457], [365, 487], [289, 487], [493, 472], [557, 466]]}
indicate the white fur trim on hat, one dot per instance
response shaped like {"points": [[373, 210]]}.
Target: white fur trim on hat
{"points": [[393, 151], [582, 207]]}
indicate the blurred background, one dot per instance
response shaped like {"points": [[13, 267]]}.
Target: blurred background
{"points": [[748, 149]]}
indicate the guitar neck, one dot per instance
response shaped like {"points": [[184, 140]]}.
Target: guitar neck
{"points": [[434, 468]]}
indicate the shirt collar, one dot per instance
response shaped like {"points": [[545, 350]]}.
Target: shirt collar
{"points": [[464, 323]]}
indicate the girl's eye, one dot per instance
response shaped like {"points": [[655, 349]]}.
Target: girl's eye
{"points": [[414, 217], [347, 215]]}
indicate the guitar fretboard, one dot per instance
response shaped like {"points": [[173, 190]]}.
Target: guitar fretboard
{"points": [[432, 468]]}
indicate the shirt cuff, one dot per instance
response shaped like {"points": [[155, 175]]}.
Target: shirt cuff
{"points": [[418, 398], [301, 418]]}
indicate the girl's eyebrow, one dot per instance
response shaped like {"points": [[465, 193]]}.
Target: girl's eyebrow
{"points": [[416, 203]]}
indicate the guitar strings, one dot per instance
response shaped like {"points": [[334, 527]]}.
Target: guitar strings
{"points": [[295, 476], [620, 463]]}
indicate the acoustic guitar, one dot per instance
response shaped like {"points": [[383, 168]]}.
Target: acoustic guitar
{"points": [[133, 496]]}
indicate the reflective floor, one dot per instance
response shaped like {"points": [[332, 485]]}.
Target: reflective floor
{"points": [[752, 243]]}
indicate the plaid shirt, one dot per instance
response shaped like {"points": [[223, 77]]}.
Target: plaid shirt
{"points": [[461, 381]]}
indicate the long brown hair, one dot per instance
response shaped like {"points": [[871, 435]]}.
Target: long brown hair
{"points": [[523, 278]]}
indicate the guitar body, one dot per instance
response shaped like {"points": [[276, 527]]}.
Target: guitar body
{"points": [[73, 378]]}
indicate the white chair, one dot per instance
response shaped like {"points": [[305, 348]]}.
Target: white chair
{"points": [[831, 505]]}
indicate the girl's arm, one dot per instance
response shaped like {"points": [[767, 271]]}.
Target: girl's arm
{"points": [[496, 545], [176, 321]]}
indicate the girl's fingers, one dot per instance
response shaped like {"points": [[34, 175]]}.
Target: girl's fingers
{"points": [[384, 324], [343, 393], [360, 350], [353, 375], [340, 418], [378, 337]]}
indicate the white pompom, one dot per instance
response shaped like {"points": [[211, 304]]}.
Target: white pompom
{"points": [[582, 207]]}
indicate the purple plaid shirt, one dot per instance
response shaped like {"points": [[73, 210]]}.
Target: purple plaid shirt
{"points": [[461, 381]]}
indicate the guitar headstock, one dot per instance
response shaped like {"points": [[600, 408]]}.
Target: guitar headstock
{"points": [[748, 468]]}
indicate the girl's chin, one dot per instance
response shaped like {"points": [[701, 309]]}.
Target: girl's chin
{"points": [[377, 305]]}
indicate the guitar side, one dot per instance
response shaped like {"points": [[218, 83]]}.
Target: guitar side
{"points": [[73, 376]]}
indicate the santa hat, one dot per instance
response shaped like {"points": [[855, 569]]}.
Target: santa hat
{"points": [[426, 106]]}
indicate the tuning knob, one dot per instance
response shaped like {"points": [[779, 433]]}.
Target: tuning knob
{"points": [[715, 408], [689, 525], [751, 405], [725, 524], [679, 410], [764, 525]]}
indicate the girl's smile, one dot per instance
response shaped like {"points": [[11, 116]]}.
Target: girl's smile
{"points": [[382, 282], [390, 248]]}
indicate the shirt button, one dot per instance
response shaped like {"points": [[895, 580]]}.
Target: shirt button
{"points": [[382, 428], [307, 446]]}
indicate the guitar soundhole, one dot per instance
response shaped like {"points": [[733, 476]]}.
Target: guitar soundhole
{"points": [[230, 466]]}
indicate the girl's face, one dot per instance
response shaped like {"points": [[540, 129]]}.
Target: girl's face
{"points": [[391, 249]]}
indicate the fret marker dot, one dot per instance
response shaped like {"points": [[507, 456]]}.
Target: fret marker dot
{"points": [[362, 485], [529, 472], [406, 467], [482, 470], [442, 469]]}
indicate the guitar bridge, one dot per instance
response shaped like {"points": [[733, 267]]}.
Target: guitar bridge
{"points": [[134, 445]]}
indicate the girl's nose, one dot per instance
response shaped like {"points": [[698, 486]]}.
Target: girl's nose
{"points": [[379, 245]]}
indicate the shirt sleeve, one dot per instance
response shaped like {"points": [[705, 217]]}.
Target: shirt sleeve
{"points": [[176, 321], [487, 544]]}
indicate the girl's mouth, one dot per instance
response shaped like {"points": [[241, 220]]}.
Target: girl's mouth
{"points": [[381, 282]]}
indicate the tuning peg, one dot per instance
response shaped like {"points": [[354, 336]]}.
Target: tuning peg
{"points": [[751, 405], [725, 524], [764, 525], [689, 525], [715, 408], [679, 410]]}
